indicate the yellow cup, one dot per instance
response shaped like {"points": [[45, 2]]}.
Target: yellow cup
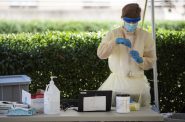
{"points": [[134, 106]]}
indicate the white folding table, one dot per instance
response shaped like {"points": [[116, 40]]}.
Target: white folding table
{"points": [[72, 115]]}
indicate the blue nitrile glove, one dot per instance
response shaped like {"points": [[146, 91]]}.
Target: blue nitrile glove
{"points": [[123, 41], [135, 55]]}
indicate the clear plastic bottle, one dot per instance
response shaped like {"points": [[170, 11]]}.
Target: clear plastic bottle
{"points": [[52, 98]]}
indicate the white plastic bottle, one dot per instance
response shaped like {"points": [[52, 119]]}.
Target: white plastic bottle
{"points": [[52, 98]]}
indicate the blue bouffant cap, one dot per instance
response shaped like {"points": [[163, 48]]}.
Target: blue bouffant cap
{"points": [[134, 20]]}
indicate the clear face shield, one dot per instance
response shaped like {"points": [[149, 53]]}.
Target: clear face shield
{"points": [[130, 24], [130, 27]]}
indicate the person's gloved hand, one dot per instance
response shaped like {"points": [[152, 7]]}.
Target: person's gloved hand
{"points": [[135, 55], [123, 41]]}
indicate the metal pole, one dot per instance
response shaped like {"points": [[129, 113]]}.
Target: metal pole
{"points": [[155, 64], [143, 19]]}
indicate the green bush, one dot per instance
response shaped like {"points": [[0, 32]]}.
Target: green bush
{"points": [[166, 25], [8, 26], [72, 57], [171, 70], [171, 25]]}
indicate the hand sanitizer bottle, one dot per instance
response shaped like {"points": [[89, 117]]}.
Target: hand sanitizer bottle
{"points": [[52, 98]]}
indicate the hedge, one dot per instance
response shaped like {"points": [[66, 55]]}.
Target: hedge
{"points": [[34, 26], [72, 57], [8, 26], [171, 25]]}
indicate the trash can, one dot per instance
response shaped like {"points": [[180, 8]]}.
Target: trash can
{"points": [[11, 87], [175, 117]]}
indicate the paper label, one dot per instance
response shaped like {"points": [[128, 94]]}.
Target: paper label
{"points": [[95, 103], [26, 97]]}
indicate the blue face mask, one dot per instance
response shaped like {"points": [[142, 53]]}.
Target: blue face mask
{"points": [[130, 27]]}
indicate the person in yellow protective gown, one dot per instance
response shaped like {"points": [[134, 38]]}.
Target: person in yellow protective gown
{"points": [[130, 50]]}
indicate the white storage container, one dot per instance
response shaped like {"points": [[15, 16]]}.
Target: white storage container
{"points": [[11, 87]]}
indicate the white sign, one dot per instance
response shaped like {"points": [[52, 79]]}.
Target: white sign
{"points": [[95, 103]]}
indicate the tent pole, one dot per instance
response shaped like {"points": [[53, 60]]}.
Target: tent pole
{"points": [[155, 64], [143, 18]]}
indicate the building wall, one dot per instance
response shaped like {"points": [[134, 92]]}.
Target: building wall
{"points": [[84, 9]]}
